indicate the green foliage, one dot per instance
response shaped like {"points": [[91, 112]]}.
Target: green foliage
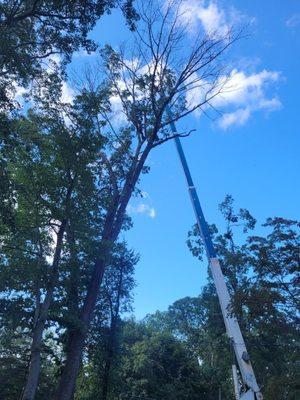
{"points": [[51, 162], [66, 166], [262, 273], [150, 365], [32, 31], [105, 342]]}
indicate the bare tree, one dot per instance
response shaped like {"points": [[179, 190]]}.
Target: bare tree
{"points": [[162, 70]]}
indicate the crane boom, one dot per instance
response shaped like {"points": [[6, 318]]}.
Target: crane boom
{"points": [[232, 326]]}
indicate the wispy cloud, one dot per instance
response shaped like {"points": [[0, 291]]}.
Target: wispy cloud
{"points": [[238, 117], [83, 54], [293, 21], [67, 93], [142, 208], [209, 15], [118, 116], [241, 95]]}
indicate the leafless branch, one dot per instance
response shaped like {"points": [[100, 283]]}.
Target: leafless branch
{"points": [[164, 68]]}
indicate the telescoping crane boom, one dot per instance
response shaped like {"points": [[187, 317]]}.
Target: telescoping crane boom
{"points": [[250, 389]]}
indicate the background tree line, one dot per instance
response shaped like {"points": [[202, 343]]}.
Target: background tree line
{"points": [[183, 353], [68, 171]]}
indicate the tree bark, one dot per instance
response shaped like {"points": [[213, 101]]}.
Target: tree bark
{"points": [[72, 288], [34, 368], [110, 356], [106, 375], [77, 342], [112, 339]]}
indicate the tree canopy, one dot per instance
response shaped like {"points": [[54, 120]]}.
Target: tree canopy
{"points": [[68, 171], [32, 31]]}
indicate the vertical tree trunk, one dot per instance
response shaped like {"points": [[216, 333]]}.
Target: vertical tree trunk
{"points": [[72, 288], [109, 359], [105, 381], [70, 372], [35, 363], [112, 338], [34, 368]]}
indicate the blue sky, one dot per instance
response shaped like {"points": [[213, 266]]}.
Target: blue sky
{"points": [[252, 152]]}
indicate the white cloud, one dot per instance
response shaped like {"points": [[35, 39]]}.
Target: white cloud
{"points": [[83, 53], [293, 21], [19, 91], [118, 116], [242, 88], [238, 117], [210, 16], [241, 95], [67, 93], [142, 208]]}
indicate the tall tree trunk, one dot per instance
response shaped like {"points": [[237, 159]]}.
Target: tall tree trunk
{"points": [[111, 230], [109, 359], [34, 368], [114, 312], [72, 288], [77, 342], [106, 375]]}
